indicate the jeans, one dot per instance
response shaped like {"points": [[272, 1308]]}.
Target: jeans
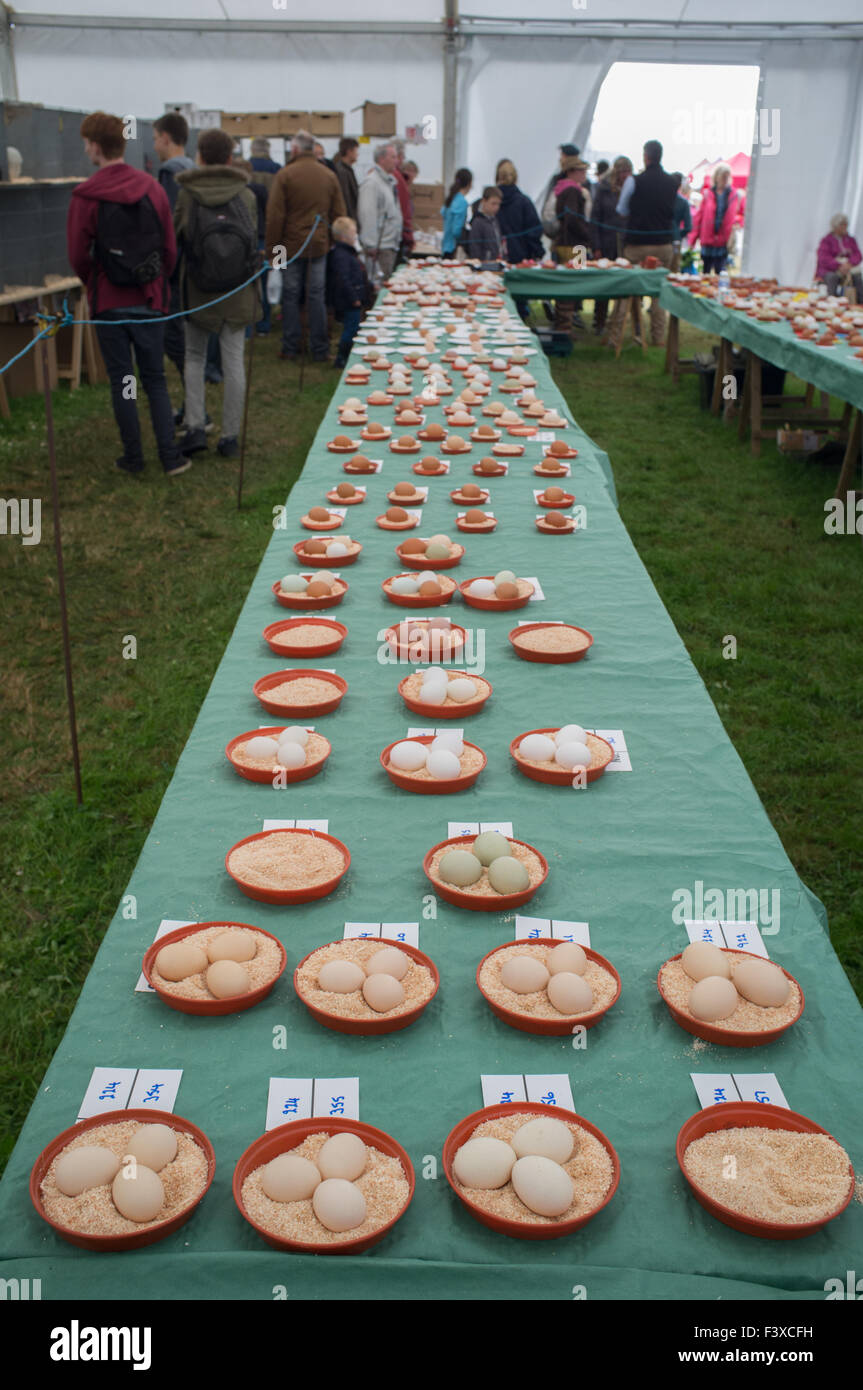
{"points": [[175, 341], [310, 275], [380, 264], [350, 323], [232, 343], [713, 258], [147, 339], [264, 322]]}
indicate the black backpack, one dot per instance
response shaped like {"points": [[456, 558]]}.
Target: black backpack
{"points": [[129, 242], [221, 245]]}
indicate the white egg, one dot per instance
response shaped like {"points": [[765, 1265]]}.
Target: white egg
{"points": [[713, 998], [439, 624], [702, 958], [383, 992], [482, 588], [433, 693], [341, 976], [439, 540], [524, 974], [90, 1165], [293, 584], [569, 993], [462, 689], [443, 765], [153, 1145], [426, 576], [291, 755], [261, 746], [404, 584], [336, 549], [294, 733], [339, 1205], [570, 733], [433, 673], [484, 1163], [550, 1138], [343, 1156], [408, 756], [389, 961], [568, 956], [537, 747], [542, 1185], [138, 1192], [573, 755], [290, 1178], [449, 740]]}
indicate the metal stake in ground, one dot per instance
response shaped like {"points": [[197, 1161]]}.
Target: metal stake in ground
{"points": [[61, 577], [245, 418]]}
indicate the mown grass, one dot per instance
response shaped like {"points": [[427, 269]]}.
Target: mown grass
{"points": [[734, 546]]}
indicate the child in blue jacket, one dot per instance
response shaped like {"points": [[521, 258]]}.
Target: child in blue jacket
{"points": [[349, 289]]}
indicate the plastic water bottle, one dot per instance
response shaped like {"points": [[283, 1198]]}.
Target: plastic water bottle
{"points": [[274, 287], [724, 285]]}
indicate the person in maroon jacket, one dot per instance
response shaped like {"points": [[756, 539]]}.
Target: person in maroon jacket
{"points": [[121, 243]]}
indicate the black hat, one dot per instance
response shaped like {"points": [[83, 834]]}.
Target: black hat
{"points": [[569, 149]]}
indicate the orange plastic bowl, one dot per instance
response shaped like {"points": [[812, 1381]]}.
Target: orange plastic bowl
{"points": [[554, 776], [135, 1240], [570, 453], [460, 500], [327, 561], [419, 562], [350, 448], [409, 652], [525, 1230], [416, 499], [553, 658], [266, 683], [565, 501], [499, 902], [493, 605], [507, 451], [332, 523], [548, 1027], [345, 501], [338, 630], [435, 786], [311, 605], [420, 600], [287, 1137], [430, 472], [396, 448], [288, 774], [209, 1007], [738, 1114], [714, 1032], [549, 530], [381, 1024], [479, 529], [453, 711], [408, 525], [498, 472], [289, 895]]}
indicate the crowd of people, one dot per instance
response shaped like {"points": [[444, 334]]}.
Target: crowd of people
{"points": [[174, 265]]}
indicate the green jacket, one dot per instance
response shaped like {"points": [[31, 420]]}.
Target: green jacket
{"points": [[212, 185]]}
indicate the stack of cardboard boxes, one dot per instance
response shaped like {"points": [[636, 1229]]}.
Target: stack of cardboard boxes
{"points": [[428, 200]]}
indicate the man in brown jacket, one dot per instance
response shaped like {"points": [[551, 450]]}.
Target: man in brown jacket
{"points": [[303, 190]]}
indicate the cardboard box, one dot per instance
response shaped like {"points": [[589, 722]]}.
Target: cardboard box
{"points": [[378, 119], [237, 123], [427, 221], [292, 121], [266, 123], [327, 123]]}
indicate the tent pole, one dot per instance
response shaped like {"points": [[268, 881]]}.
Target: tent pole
{"points": [[8, 77], [451, 22]]}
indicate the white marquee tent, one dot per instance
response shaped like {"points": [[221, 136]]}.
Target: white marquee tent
{"points": [[496, 82]]}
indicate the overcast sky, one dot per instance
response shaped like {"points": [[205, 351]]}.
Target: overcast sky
{"points": [[697, 112]]}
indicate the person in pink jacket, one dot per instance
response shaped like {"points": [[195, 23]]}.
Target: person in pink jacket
{"points": [[838, 255], [121, 243], [713, 221]]}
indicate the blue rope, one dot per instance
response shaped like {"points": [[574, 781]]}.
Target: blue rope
{"points": [[66, 318]]}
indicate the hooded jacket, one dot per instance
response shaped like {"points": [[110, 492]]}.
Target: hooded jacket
{"points": [[117, 183], [573, 205], [704, 220], [378, 211], [213, 185], [519, 224]]}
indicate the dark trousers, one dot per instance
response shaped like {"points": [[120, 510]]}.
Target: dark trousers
{"points": [[175, 342], [351, 320], [147, 340], [714, 258]]}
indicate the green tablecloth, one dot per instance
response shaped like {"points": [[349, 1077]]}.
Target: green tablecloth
{"points": [[618, 852], [835, 370], [535, 283]]}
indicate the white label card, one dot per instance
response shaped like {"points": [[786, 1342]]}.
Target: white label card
{"points": [[276, 824], [109, 1089], [355, 931], [737, 936], [459, 827], [337, 1096], [537, 596], [551, 1089], [711, 932], [620, 762], [579, 932], [503, 826], [338, 511], [714, 1088], [167, 924], [529, 622], [155, 1088], [444, 729], [501, 1089], [416, 514], [532, 928], [289, 1098], [544, 436], [761, 1086], [408, 932]]}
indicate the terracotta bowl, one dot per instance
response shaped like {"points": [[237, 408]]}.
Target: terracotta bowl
{"points": [[419, 562], [372, 1027], [332, 523], [549, 530], [338, 501], [477, 530], [434, 787], [493, 605], [555, 776], [524, 1230], [420, 600], [548, 1027], [210, 1008], [451, 711], [334, 562], [409, 525], [350, 448], [290, 895], [290, 774], [338, 633], [714, 1032], [405, 650], [424, 473], [274, 678], [550, 658], [498, 902], [311, 605]]}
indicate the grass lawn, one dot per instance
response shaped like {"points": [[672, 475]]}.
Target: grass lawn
{"points": [[734, 546]]}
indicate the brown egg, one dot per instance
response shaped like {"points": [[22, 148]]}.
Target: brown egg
{"points": [[551, 465], [413, 547], [435, 431], [404, 489], [342, 441], [475, 517], [430, 587], [558, 448], [554, 494], [471, 490], [408, 417], [469, 397], [486, 432], [406, 441], [378, 398], [361, 463], [455, 441], [346, 490], [556, 519], [488, 465], [396, 514], [507, 590], [429, 464], [319, 514], [315, 548], [375, 428], [318, 588], [495, 408]]}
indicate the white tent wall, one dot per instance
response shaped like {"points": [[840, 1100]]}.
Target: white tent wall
{"points": [[138, 71]]}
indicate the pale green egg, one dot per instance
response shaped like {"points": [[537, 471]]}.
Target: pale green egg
{"points": [[507, 875], [438, 552], [491, 845], [460, 868]]}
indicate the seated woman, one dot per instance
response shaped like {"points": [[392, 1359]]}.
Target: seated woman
{"points": [[839, 259]]}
